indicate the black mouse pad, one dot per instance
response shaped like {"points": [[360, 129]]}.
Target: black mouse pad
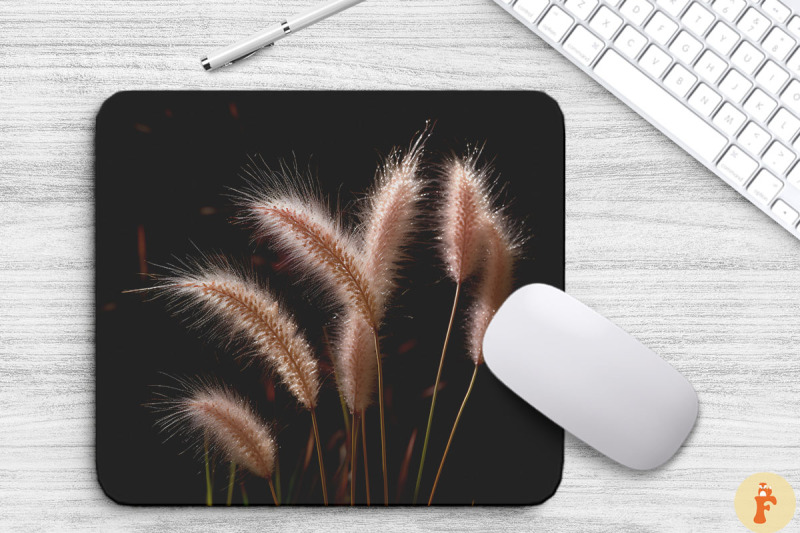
{"points": [[253, 248]]}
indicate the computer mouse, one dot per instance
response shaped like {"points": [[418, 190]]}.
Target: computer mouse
{"points": [[590, 377]]}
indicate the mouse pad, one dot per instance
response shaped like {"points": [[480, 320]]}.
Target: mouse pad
{"points": [[255, 251]]}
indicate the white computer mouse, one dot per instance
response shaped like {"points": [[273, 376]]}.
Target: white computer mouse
{"points": [[590, 377]]}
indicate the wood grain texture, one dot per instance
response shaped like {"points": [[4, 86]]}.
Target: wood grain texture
{"points": [[654, 241]]}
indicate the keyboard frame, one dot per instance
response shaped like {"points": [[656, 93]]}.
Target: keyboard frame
{"points": [[793, 198]]}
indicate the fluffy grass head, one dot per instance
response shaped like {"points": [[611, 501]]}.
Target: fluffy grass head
{"points": [[355, 364], [467, 200], [232, 304], [232, 427], [501, 246], [296, 222], [389, 217]]}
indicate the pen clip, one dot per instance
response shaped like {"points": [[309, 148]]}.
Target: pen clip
{"points": [[248, 55]]}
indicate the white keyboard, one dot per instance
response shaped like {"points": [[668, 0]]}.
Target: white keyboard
{"points": [[719, 77]]}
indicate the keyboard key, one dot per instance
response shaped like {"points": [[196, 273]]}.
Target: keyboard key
{"points": [[685, 47], [722, 38], [581, 8], [784, 125], [791, 96], [555, 23], [778, 158], [679, 80], [772, 77], [729, 9], [778, 43], [697, 18], [704, 100], [776, 10], [765, 187], [530, 9], [729, 119], [793, 178], [583, 45], [753, 24], [759, 105], [710, 66], [785, 212], [663, 109], [655, 61], [753, 138], [636, 10], [630, 42], [737, 165], [794, 26], [747, 57], [793, 63], [735, 86], [605, 22], [661, 28], [673, 7]]}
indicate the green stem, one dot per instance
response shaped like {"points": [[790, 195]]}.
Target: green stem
{"points": [[209, 501], [231, 478], [435, 392], [453, 432]]}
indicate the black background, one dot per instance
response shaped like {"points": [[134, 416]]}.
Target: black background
{"points": [[165, 162]]}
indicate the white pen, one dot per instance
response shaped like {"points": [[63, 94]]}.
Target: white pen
{"points": [[250, 45]]}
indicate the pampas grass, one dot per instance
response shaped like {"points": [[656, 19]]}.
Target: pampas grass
{"points": [[228, 423], [467, 202], [242, 307]]}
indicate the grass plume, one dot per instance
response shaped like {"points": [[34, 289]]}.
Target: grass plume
{"points": [[243, 308], [466, 202], [216, 415], [386, 223], [315, 244], [501, 245]]}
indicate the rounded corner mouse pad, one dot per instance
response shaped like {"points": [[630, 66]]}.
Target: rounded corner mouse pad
{"points": [[292, 289]]}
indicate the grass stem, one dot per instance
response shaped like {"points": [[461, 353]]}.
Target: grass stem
{"points": [[231, 478], [209, 501], [245, 500], [319, 456], [383, 425], [364, 451], [272, 490], [453, 432], [435, 392], [353, 456]]}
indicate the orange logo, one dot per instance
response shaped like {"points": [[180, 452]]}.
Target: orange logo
{"points": [[765, 502]]}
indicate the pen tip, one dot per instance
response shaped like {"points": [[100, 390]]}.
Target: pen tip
{"points": [[205, 63]]}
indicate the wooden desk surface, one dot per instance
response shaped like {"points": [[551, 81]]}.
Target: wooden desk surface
{"points": [[654, 242]]}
